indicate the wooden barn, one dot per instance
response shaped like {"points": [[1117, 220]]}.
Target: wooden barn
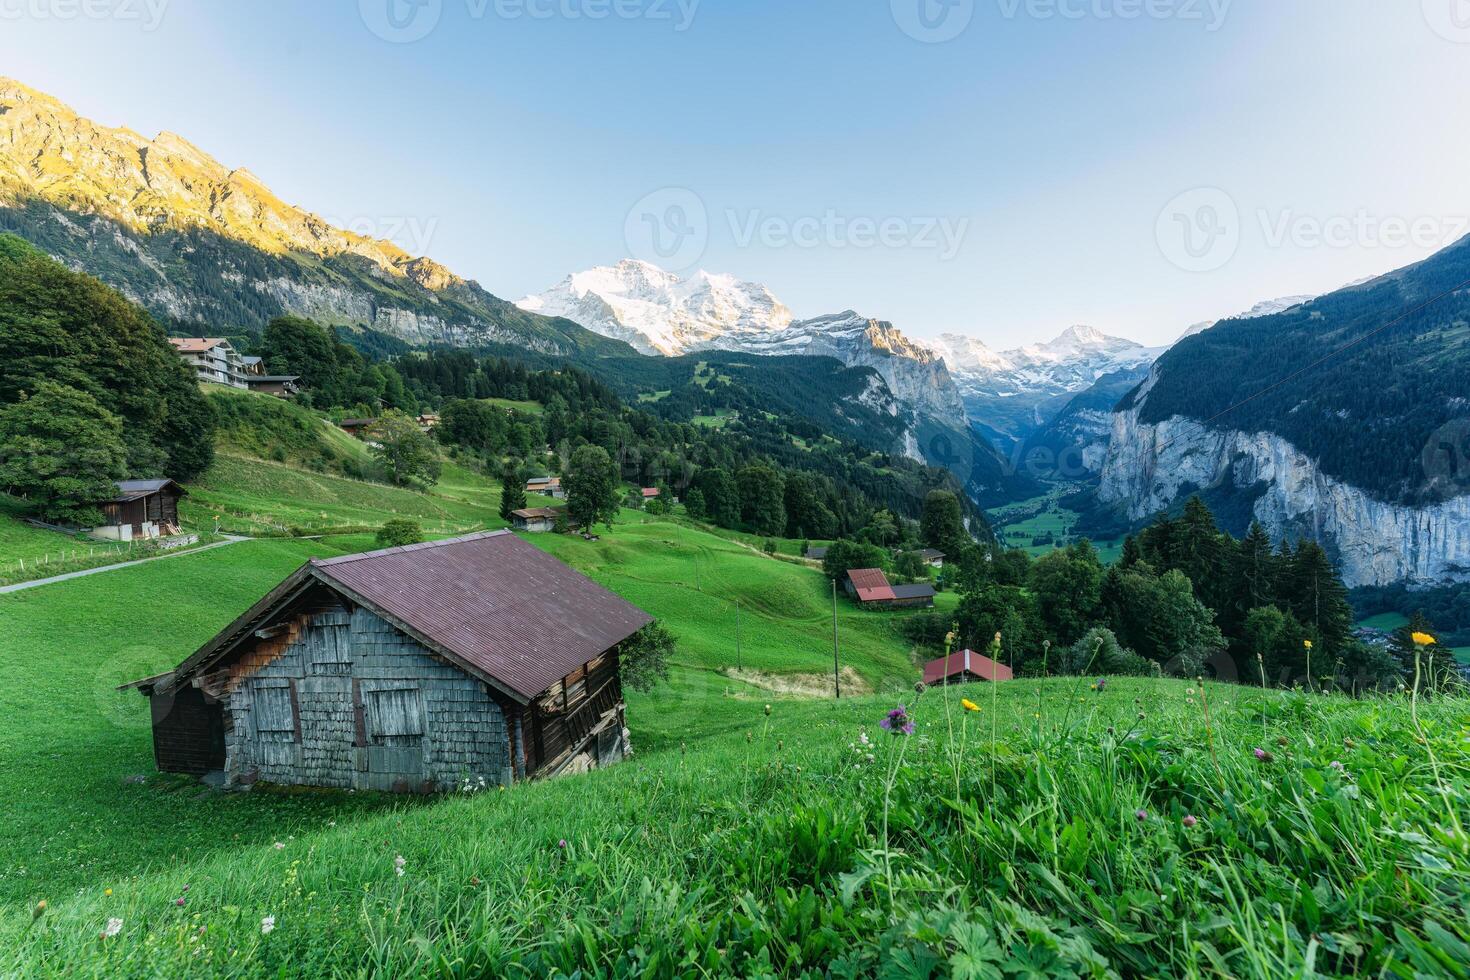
{"points": [[870, 587], [142, 509], [964, 666], [410, 670], [536, 520]]}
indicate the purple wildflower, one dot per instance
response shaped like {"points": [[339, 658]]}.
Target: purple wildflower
{"points": [[1142, 815], [898, 722], [1264, 756], [1189, 821], [562, 843], [1102, 683]]}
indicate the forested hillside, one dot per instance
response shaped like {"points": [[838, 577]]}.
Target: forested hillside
{"points": [[1398, 374]]}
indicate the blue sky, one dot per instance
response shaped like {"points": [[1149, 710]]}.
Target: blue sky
{"points": [[1136, 165]]}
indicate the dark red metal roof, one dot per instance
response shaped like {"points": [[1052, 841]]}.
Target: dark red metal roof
{"points": [[503, 607], [871, 584], [965, 662]]}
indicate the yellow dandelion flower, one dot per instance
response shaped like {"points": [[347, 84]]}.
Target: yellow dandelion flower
{"points": [[969, 705], [1423, 639], [1307, 644]]}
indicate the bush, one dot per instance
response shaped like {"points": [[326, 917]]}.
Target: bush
{"points": [[1099, 652], [644, 657], [399, 532]]}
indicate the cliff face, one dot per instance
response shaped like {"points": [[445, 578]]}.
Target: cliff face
{"points": [[1149, 466], [916, 375]]}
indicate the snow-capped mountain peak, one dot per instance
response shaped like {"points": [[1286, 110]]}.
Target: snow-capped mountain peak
{"points": [[1269, 307], [659, 312]]}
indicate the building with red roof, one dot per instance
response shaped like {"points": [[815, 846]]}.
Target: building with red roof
{"points": [[871, 589], [964, 666]]}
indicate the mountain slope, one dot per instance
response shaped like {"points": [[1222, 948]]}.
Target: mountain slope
{"points": [[195, 241], [1011, 394], [659, 312], [1073, 443], [1341, 419]]}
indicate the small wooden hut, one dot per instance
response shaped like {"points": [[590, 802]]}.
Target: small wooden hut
{"points": [[408, 669]]}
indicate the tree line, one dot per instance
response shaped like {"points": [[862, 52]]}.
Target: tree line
{"points": [[1185, 598]]}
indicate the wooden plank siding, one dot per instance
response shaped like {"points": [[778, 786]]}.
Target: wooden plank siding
{"points": [[570, 711]]}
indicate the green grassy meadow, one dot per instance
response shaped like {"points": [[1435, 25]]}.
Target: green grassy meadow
{"points": [[1057, 831], [1018, 525], [28, 552]]}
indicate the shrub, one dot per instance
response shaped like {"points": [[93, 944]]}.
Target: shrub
{"points": [[1099, 652], [399, 532], [644, 657]]}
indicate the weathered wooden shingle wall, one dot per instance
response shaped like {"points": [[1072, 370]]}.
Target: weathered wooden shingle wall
{"points": [[351, 702]]}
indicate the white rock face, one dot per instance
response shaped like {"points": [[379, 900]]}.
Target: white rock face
{"points": [[1375, 543], [659, 312]]}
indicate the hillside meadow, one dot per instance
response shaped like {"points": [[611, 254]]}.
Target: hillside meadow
{"points": [[1062, 828]]}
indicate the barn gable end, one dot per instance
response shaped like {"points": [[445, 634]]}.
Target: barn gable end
{"points": [[352, 702]]}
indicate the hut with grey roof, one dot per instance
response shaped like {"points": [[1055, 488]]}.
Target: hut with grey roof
{"points": [[415, 669]]}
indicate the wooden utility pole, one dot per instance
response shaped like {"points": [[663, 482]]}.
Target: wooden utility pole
{"points": [[836, 658], [739, 664]]}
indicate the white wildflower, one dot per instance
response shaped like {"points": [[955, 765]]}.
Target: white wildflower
{"points": [[114, 926], [398, 864], [267, 924], [280, 846]]}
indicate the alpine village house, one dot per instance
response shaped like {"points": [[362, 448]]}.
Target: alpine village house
{"points": [[416, 669]]}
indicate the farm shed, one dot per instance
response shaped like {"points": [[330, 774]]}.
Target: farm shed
{"points": [[536, 520], [964, 666], [549, 486], [932, 557], [871, 589], [410, 670], [141, 509]]}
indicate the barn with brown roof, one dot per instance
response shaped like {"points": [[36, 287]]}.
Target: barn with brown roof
{"points": [[408, 669]]}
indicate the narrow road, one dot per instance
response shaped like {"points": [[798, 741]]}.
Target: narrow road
{"points": [[37, 583]]}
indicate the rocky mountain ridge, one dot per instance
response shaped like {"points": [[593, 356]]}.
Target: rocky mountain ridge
{"points": [[195, 241]]}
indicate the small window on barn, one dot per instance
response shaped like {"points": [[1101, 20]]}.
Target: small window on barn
{"points": [[395, 716], [274, 712]]}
